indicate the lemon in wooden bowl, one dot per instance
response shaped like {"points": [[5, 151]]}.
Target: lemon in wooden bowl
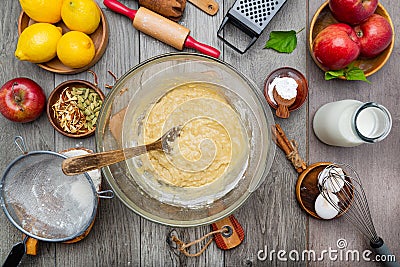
{"points": [[99, 38], [38, 43], [75, 49]]}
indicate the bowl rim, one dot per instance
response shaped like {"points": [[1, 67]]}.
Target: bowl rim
{"points": [[98, 52], [368, 73], [55, 93], [190, 223]]}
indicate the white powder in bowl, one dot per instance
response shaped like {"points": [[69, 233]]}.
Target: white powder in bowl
{"points": [[286, 87]]}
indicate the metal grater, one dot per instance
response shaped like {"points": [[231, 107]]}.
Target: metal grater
{"points": [[251, 17]]}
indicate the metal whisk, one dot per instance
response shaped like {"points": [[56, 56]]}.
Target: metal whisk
{"points": [[342, 188]]}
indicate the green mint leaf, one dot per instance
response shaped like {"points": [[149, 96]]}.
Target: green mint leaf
{"points": [[351, 73], [350, 66], [282, 41], [332, 74], [356, 74]]}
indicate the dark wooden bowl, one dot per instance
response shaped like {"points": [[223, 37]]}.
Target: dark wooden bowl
{"points": [[307, 189], [323, 18], [99, 38], [54, 96], [302, 89]]}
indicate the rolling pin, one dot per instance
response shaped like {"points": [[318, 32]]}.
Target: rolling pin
{"points": [[161, 28]]}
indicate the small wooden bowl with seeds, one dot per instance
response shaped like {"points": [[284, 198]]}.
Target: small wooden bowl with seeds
{"points": [[73, 108]]}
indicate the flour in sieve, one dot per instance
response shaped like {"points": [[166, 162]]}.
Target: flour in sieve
{"points": [[47, 203]]}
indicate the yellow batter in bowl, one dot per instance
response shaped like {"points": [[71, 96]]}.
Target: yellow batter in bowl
{"points": [[212, 136]]}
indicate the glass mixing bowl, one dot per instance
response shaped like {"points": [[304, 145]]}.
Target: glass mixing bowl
{"points": [[121, 120]]}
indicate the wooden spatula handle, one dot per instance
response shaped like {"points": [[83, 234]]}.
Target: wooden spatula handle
{"points": [[88, 162]]}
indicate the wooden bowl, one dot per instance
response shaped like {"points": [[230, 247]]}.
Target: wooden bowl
{"points": [[323, 18], [99, 38], [302, 89], [307, 189], [54, 96]]}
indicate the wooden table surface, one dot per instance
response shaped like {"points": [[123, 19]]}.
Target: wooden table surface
{"points": [[271, 218]]}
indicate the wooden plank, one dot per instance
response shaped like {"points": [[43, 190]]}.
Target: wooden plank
{"points": [[376, 164], [114, 238], [155, 250], [36, 137], [271, 217]]}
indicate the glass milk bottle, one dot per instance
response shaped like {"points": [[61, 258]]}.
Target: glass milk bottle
{"points": [[350, 123]]}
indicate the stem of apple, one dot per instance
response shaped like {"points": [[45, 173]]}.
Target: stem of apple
{"points": [[17, 98], [300, 30]]}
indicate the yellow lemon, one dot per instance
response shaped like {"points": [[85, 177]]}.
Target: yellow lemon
{"points": [[81, 15], [38, 43], [42, 10], [75, 49]]}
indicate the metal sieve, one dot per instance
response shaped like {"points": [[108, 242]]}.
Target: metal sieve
{"points": [[44, 203], [251, 17]]}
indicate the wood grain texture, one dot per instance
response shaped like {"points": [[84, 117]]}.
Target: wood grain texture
{"points": [[36, 137], [271, 218], [377, 164], [155, 249]]}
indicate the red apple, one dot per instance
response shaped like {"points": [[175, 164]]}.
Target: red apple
{"points": [[352, 11], [21, 100], [375, 35], [336, 46]]}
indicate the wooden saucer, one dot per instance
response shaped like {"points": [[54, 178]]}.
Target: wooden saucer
{"points": [[99, 38], [307, 189], [55, 95]]}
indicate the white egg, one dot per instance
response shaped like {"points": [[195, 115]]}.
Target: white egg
{"points": [[332, 184], [324, 209]]}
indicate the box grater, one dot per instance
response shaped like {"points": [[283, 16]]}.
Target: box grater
{"points": [[251, 17]]}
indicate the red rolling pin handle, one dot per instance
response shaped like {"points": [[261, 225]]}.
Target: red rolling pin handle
{"points": [[202, 48], [120, 8]]}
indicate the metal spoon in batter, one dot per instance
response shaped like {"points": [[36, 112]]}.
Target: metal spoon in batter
{"points": [[89, 162]]}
